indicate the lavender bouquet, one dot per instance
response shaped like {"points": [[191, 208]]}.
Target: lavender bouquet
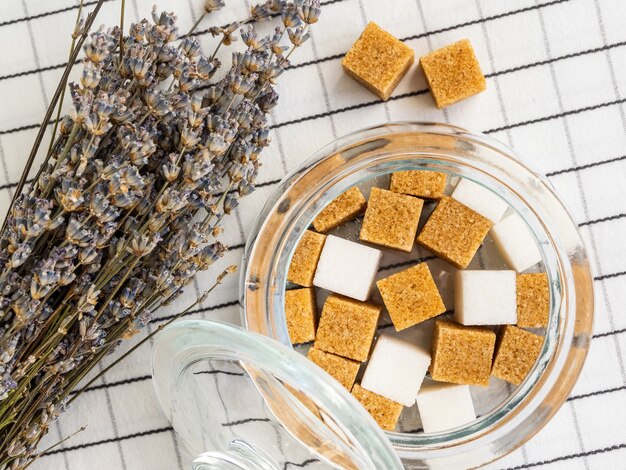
{"points": [[127, 205]]}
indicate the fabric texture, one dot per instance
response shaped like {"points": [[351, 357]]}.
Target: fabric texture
{"points": [[556, 92]]}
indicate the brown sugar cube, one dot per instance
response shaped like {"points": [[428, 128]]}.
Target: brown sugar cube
{"points": [[347, 327], [300, 313], [454, 232], [420, 183], [411, 296], [340, 210], [453, 73], [391, 219], [516, 353], [378, 60], [462, 354], [305, 258], [342, 369], [533, 300], [385, 412]]}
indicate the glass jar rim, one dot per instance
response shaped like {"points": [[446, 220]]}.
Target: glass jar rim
{"points": [[328, 171]]}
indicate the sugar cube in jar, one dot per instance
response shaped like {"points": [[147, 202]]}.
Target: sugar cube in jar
{"points": [[423, 299]]}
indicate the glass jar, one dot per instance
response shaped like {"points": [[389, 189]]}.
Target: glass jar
{"points": [[381, 150], [344, 432]]}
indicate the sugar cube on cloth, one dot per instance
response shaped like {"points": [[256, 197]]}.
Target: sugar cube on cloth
{"points": [[378, 60], [453, 73]]}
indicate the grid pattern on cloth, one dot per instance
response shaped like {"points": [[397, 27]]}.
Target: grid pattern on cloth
{"points": [[556, 87]]}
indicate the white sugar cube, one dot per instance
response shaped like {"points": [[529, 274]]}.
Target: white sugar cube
{"points": [[444, 406], [485, 298], [396, 369], [480, 199], [347, 268], [516, 244]]}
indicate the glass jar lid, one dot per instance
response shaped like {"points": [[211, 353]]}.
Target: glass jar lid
{"points": [[240, 400]]}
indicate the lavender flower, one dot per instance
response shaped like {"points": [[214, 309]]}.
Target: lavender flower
{"points": [[129, 201]]}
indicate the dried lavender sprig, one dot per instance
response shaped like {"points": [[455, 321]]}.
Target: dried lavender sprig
{"points": [[209, 7], [55, 98], [231, 269], [57, 444], [122, 14], [75, 34], [109, 231]]}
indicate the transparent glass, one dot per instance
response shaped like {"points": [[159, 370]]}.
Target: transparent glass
{"points": [[371, 154], [240, 400]]}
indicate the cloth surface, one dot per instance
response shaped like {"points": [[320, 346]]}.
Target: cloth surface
{"points": [[556, 87]]}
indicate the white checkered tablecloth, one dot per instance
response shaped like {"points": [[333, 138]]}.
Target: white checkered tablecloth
{"points": [[556, 87]]}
